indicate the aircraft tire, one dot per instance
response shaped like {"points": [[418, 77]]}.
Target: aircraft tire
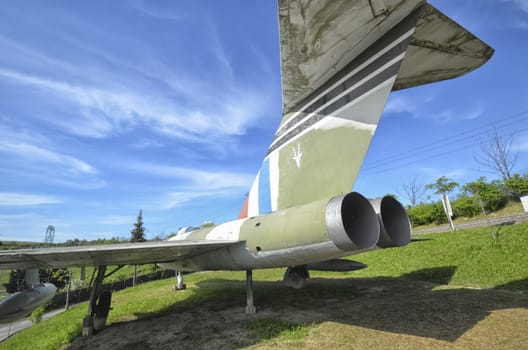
{"points": [[102, 310]]}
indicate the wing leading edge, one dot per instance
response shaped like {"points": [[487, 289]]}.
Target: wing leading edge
{"points": [[114, 254]]}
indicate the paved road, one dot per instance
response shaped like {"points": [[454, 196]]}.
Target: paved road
{"points": [[7, 330], [503, 220]]}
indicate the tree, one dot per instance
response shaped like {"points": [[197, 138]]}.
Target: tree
{"points": [[138, 232], [443, 186], [517, 185], [206, 224], [59, 277], [413, 190], [497, 155], [491, 195]]}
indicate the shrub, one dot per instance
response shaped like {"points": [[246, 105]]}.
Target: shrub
{"points": [[493, 194], [427, 213], [517, 186], [466, 206]]}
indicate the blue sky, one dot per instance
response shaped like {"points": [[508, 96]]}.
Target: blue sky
{"points": [[169, 107]]}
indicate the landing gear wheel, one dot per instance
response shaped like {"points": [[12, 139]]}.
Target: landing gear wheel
{"points": [[102, 309], [296, 276]]}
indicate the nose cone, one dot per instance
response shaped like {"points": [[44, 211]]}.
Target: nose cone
{"points": [[21, 304]]}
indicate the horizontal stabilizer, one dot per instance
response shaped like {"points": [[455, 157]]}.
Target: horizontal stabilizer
{"points": [[440, 49], [337, 265]]}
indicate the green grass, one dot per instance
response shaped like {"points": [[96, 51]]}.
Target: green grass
{"points": [[484, 258], [279, 330]]}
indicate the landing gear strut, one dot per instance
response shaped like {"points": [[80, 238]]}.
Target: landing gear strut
{"points": [[179, 281], [250, 307], [99, 305]]}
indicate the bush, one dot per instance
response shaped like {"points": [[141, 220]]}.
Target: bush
{"points": [[466, 206], [418, 214], [427, 213], [36, 315], [517, 186], [493, 194]]}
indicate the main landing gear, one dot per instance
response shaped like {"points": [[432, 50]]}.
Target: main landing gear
{"points": [[250, 307], [99, 304], [179, 281], [296, 276]]}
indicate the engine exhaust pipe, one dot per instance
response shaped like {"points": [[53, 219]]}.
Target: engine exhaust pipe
{"points": [[395, 227], [352, 223]]}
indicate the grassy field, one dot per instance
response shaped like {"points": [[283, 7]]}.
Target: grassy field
{"points": [[467, 289]]}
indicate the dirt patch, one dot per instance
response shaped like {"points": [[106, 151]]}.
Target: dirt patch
{"points": [[342, 313]]}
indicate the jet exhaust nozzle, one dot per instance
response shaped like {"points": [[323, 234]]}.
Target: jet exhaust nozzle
{"points": [[21, 304], [395, 228], [352, 223]]}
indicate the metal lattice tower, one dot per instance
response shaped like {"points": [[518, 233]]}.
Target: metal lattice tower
{"points": [[50, 234]]}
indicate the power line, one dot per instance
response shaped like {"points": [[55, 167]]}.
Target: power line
{"points": [[410, 160], [460, 137], [461, 141]]}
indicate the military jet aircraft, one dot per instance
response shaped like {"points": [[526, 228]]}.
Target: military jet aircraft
{"points": [[340, 60]]}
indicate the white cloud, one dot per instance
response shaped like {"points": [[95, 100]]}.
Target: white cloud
{"points": [[38, 154], [201, 180], [10, 217], [148, 144], [405, 102], [451, 115], [523, 4], [26, 54], [153, 9], [20, 199], [105, 112], [473, 113], [177, 199], [422, 105], [399, 104], [19, 145], [522, 25], [192, 184], [456, 173], [118, 220]]}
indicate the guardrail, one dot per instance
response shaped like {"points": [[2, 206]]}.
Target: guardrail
{"points": [[495, 221]]}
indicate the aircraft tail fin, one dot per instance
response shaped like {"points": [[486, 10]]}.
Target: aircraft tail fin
{"points": [[340, 60]]}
